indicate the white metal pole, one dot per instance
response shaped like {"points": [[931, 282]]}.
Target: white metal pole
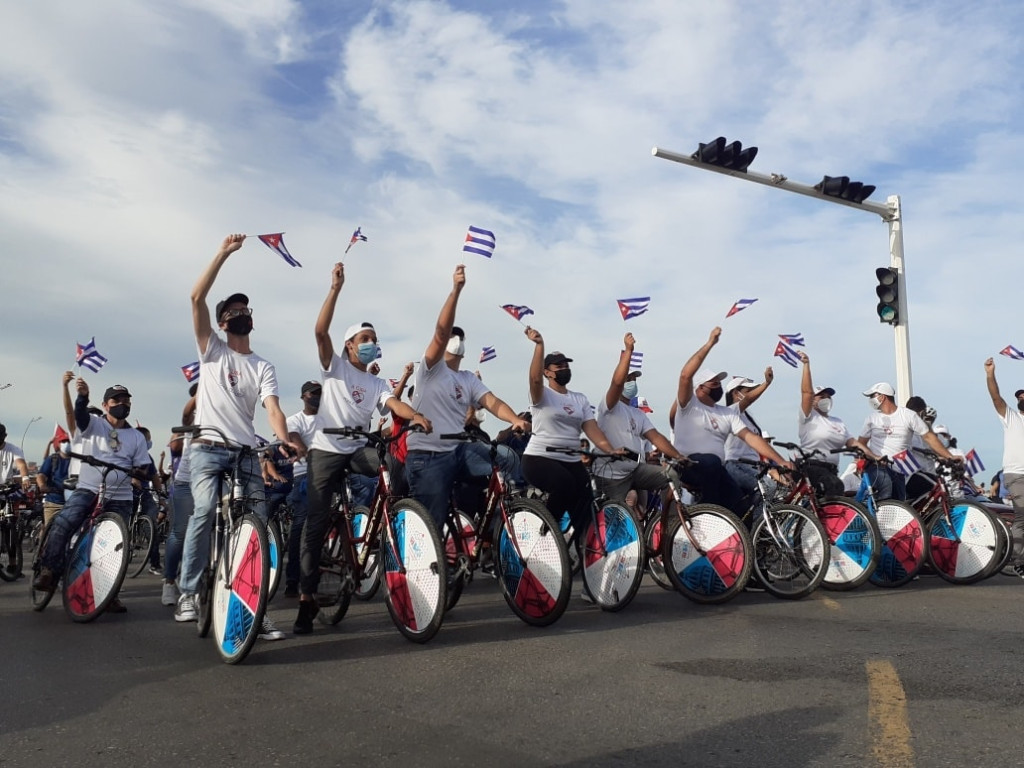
{"points": [[904, 385]]}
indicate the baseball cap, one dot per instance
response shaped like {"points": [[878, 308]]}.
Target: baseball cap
{"points": [[1018, 393], [311, 386], [633, 375], [881, 388], [556, 358], [116, 391], [739, 381], [941, 429], [824, 391], [234, 298], [705, 375], [353, 330]]}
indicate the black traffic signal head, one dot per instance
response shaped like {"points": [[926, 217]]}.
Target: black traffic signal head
{"points": [[844, 189], [725, 155], [888, 292]]}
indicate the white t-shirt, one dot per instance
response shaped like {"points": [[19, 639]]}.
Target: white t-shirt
{"points": [[889, 434], [624, 426], [736, 448], [183, 474], [822, 433], [231, 385], [703, 428], [305, 425], [443, 396], [349, 399], [557, 423], [96, 441], [8, 455], [1013, 441]]}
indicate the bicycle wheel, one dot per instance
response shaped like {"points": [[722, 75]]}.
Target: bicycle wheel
{"points": [[240, 583], [415, 577], [95, 568], [204, 601], [965, 547], [276, 548], [40, 598], [140, 541], [856, 544], [533, 562], [655, 565], [904, 545], [567, 532], [370, 583], [459, 536], [334, 592], [612, 557], [718, 567], [790, 551]]}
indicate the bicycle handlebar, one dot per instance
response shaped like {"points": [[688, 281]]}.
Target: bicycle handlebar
{"points": [[627, 456], [374, 437], [136, 472]]}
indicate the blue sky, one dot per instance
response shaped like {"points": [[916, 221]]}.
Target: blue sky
{"points": [[133, 137]]}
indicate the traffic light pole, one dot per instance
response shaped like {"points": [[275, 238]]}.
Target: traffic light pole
{"points": [[890, 212]]}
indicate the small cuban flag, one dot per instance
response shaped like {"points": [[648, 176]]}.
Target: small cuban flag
{"points": [[972, 463], [739, 306], [357, 236], [631, 308], [636, 361], [87, 356], [793, 339], [191, 371], [275, 242], [479, 241], [788, 354], [518, 311], [905, 463], [1012, 352], [393, 383], [488, 353], [641, 403]]}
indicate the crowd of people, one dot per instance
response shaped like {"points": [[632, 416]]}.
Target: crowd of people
{"points": [[709, 439]]}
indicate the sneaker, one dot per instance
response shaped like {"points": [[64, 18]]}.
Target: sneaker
{"points": [[308, 609], [269, 631], [586, 596], [169, 594], [186, 610], [116, 606], [1018, 568], [291, 589], [155, 570], [45, 581], [12, 568]]}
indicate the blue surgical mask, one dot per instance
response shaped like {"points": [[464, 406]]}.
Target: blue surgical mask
{"points": [[629, 390], [149, 445], [367, 352]]}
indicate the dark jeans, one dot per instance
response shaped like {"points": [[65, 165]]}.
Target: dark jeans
{"points": [[708, 475], [70, 519], [886, 483], [567, 484], [299, 500]]}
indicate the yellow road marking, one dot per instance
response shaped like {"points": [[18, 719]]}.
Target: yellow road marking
{"points": [[887, 716], [828, 602]]}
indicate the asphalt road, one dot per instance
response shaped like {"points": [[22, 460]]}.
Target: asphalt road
{"points": [[928, 675]]}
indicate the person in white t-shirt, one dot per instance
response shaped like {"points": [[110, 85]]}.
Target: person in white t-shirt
{"points": [[626, 425], [702, 426], [350, 395], [741, 393], [818, 430], [445, 394], [1013, 458], [559, 415], [233, 381], [11, 459], [887, 432], [301, 426]]}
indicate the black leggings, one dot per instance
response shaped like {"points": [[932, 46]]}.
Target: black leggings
{"points": [[567, 484]]}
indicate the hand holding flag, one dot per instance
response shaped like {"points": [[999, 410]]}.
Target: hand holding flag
{"points": [[87, 356], [275, 242], [630, 308], [356, 237]]}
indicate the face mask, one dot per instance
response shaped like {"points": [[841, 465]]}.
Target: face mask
{"points": [[563, 377], [944, 440], [366, 352], [825, 404], [715, 394], [149, 445], [119, 411], [456, 346], [65, 447], [314, 402], [240, 326], [876, 403], [1020, 406], [629, 390]]}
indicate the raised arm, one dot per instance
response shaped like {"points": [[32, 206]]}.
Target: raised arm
{"points": [[993, 388], [614, 392], [536, 376], [685, 391], [763, 447], [69, 407], [279, 424], [446, 319], [756, 392], [200, 311], [399, 390], [324, 345], [806, 385]]}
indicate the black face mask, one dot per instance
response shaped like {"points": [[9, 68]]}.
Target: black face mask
{"points": [[240, 326], [563, 377], [1020, 406], [715, 394], [119, 411], [313, 402]]}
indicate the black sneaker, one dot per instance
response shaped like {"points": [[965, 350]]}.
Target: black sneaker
{"points": [[46, 581], [308, 610], [1018, 568]]}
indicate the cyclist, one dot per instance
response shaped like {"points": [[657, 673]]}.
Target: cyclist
{"points": [[51, 476], [626, 425], [232, 381], [740, 394], [350, 395], [11, 459], [1013, 458], [303, 426], [109, 438], [444, 394], [819, 431], [182, 504], [152, 508]]}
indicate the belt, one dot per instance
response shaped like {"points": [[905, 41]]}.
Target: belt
{"points": [[217, 443], [426, 453]]}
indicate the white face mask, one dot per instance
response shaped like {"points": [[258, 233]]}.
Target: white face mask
{"points": [[876, 402], [629, 390], [456, 346], [65, 447], [825, 405]]}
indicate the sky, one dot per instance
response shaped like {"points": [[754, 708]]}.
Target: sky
{"points": [[135, 136]]}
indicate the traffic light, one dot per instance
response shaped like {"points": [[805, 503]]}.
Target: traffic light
{"points": [[888, 291], [731, 156], [844, 189]]}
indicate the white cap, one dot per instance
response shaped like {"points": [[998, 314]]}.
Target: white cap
{"points": [[826, 391], [739, 381], [353, 330], [881, 388], [941, 429], [705, 375]]}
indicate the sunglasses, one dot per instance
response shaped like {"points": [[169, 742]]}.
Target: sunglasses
{"points": [[230, 313], [114, 441]]}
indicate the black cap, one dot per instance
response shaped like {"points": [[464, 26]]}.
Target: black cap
{"points": [[311, 386], [556, 358], [1018, 393], [116, 391], [193, 389], [456, 331], [3, 431], [234, 298]]}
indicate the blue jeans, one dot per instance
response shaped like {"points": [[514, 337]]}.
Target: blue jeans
{"points": [[300, 508], [181, 512], [745, 477], [886, 483], [710, 477], [208, 465], [77, 508], [431, 475]]}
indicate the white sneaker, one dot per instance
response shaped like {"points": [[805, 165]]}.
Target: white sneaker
{"points": [[169, 595], [269, 631], [186, 610]]}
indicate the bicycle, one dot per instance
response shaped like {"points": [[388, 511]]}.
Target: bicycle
{"points": [[855, 542], [141, 538], [96, 559], [397, 531], [530, 557], [12, 529], [233, 588], [791, 549]]}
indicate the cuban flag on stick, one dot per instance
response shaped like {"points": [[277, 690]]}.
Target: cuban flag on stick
{"points": [[788, 355], [87, 356], [275, 242], [641, 403], [636, 361], [356, 237], [480, 241], [793, 339], [488, 353], [631, 308], [905, 463], [191, 371], [393, 383], [1012, 352], [972, 463], [739, 306], [518, 311]]}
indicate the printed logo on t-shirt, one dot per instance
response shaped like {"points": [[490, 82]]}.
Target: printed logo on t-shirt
{"points": [[233, 379], [358, 393], [568, 409], [713, 423], [458, 394]]}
